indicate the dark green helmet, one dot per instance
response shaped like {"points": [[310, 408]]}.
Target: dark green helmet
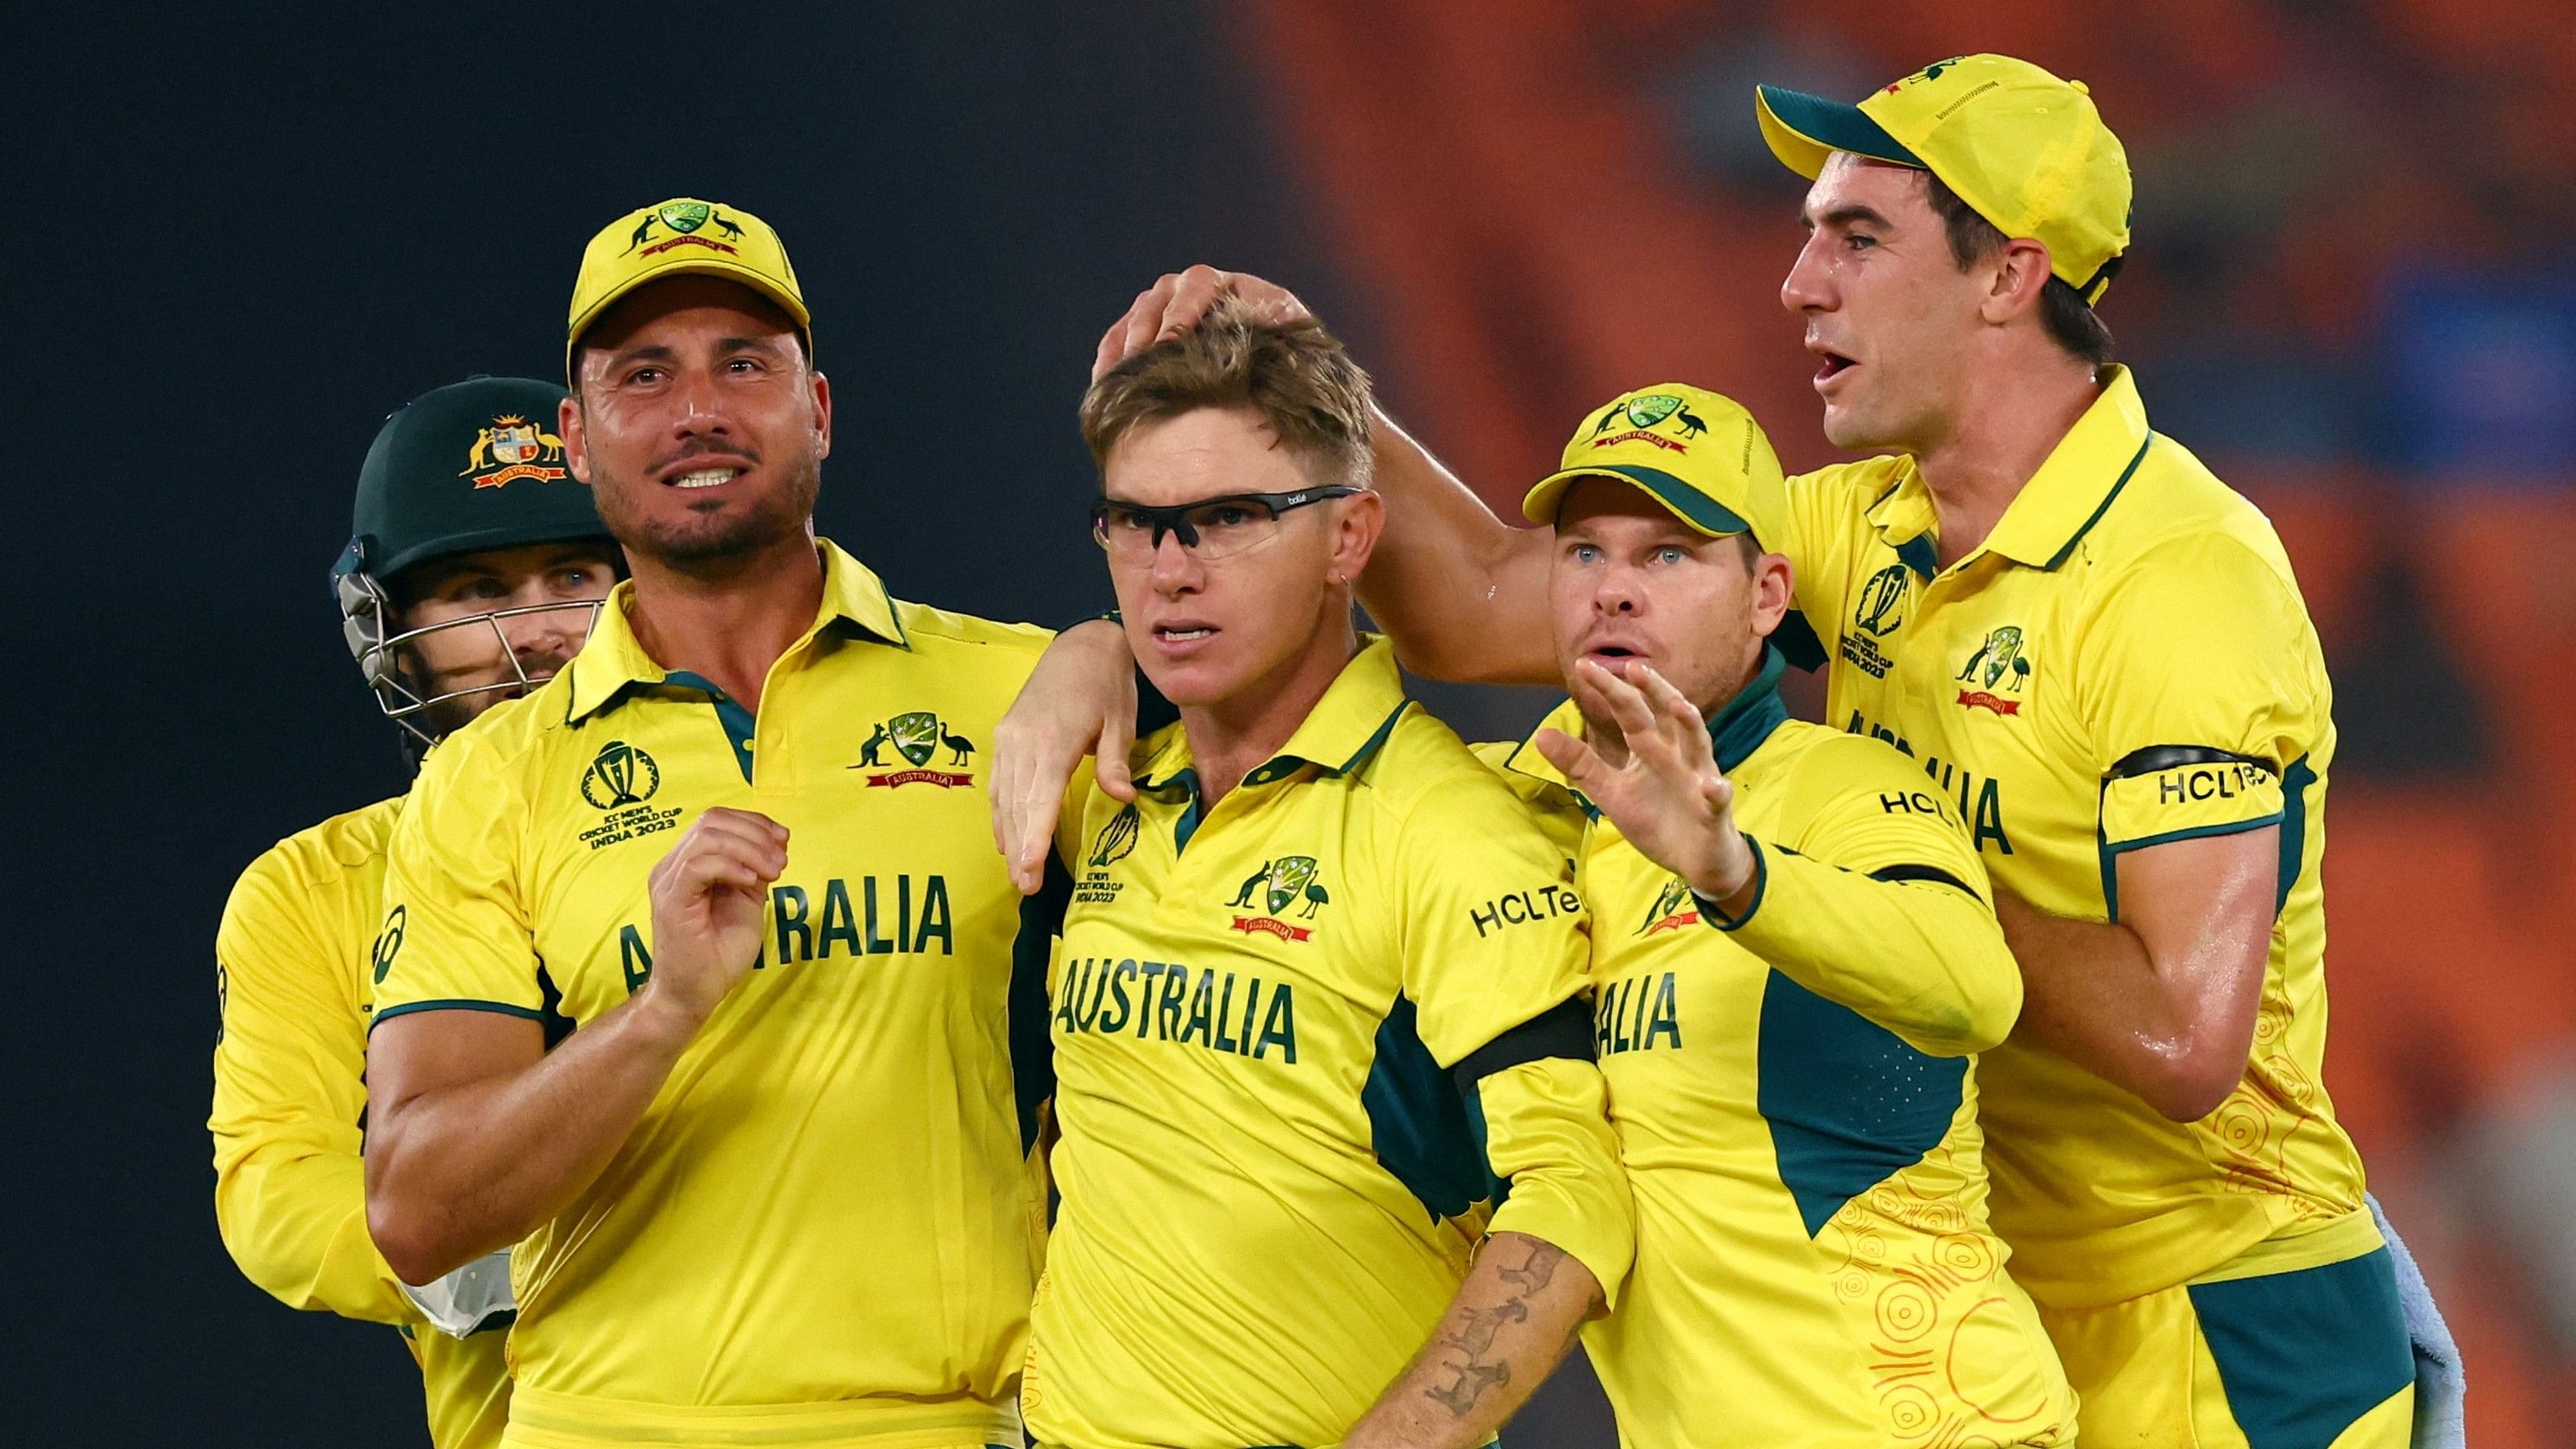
{"points": [[469, 467]]}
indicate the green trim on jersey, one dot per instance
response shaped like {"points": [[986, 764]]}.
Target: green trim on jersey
{"points": [[454, 1003], [2304, 1354]]}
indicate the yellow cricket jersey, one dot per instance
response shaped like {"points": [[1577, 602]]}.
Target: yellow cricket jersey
{"points": [[295, 989], [820, 1232], [2125, 661], [1303, 1038], [1796, 1106]]}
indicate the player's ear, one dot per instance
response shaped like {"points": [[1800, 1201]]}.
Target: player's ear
{"points": [[1772, 590], [1357, 522], [822, 413], [576, 444], [2020, 273]]}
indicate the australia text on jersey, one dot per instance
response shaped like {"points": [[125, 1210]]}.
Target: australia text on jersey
{"points": [[846, 922], [1175, 1003]]}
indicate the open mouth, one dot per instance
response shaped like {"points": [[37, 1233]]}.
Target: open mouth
{"points": [[1183, 633], [1835, 366], [703, 468], [705, 477]]}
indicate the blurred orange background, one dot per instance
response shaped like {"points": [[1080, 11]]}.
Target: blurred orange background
{"points": [[2349, 291]]}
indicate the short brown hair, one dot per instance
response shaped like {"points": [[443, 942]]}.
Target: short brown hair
{"points": [[1296, 375], [2070, 320]]}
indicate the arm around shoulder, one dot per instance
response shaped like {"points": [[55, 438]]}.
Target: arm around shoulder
{"points": [[1461, 591]]}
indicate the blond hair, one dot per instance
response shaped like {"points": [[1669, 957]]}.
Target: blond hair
{"points": [[1296, 375]]}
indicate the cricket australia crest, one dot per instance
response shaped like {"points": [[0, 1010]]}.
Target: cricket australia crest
{"points": [[1280, 889], [916, 736]]}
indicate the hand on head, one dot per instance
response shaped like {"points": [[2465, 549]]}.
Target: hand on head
{"points": [[1176, 302]]}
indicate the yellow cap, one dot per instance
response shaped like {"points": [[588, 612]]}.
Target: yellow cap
{"points": [[1696, 453], [680, 236], [2022, 148]]}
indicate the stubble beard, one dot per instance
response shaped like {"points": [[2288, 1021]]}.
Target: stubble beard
{"points": [[702, 546], [453, 702]]}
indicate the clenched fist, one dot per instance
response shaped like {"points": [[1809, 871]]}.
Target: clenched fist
{"points": [[710, 900]]}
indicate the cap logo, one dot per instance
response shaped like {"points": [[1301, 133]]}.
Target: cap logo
{"points": [[682, 219], [511, 449], [1645, 413], [1930, 72]]}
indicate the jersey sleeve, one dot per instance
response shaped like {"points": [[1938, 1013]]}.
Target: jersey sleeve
{"points": [[290, 1087], [457, 933], [2199, 691], [1495, 946], [1874, 899]]}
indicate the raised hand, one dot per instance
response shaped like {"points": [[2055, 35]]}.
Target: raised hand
{"points": [[710, 900], [1666, 794], [1176, 302]]}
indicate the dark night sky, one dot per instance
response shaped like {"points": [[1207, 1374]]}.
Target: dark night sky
{"points": [[240, 243]]}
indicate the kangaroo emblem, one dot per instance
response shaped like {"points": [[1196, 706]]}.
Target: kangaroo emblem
{"points": [[1258, 879]]}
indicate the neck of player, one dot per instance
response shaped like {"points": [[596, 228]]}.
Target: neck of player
{"points": [[1231, 737], [728, 626], [2007, 418]]}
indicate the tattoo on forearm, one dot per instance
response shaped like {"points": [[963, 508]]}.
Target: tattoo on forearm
{"points": [[1473, 1379], [1474, 1338], [1534, 1274]]}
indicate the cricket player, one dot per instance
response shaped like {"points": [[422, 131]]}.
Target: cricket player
{"points": [[769, 1187], [476, 566], [1324, 1070], [1793, 964], [2098, 653]]}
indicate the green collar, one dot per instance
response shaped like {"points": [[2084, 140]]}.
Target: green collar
{"points": [[1750, 717], [613, 661], [2055, 508], [1734, 732], [1357, 713]]}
